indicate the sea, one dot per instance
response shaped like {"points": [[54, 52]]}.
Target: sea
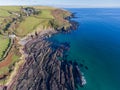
{"points": [[95, 44]]}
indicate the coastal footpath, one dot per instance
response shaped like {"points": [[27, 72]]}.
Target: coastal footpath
{"points": [[40, 66]]}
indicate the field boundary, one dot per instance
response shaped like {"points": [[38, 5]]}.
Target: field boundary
{"points": [[7, 50]]}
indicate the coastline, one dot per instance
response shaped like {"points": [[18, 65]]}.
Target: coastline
{"points": [[41, 38], [21, 64], [45, 51]]}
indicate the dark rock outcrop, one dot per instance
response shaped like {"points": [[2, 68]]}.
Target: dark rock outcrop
{"points": [[43, 70]]}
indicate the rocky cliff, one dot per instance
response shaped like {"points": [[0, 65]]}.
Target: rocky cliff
{"points": [[44, 71]]}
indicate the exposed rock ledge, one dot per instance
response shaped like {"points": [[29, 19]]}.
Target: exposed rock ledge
{"points": [[43, 70]]}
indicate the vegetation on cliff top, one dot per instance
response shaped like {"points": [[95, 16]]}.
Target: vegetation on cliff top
{"points": [[27, 19]]}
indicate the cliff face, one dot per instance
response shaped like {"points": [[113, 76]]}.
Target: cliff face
{"points": [[62, 20], [43, 70]]}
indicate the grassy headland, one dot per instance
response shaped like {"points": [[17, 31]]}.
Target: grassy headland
{"points": [[21, 21]]}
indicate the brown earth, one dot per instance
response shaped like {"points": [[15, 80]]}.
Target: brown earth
{"points": [[7, 60]]}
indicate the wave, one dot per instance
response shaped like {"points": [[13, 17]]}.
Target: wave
{"points": [[83, 80]]}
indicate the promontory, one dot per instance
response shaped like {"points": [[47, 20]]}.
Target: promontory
{"points": [[28, 59]]}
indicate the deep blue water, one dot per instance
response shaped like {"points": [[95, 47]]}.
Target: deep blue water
{"points": [[96, 44]]}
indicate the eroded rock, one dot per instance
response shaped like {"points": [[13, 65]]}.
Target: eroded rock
{"points": [[44, 71]]}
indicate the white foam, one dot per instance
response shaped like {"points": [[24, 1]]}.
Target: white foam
{"points": [[83, 80]]}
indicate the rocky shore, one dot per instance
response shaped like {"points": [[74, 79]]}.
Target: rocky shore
{"points": [[43, 63], [46, 66], [43, 70]]}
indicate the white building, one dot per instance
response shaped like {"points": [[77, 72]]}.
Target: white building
{"points": [[12, 36]]}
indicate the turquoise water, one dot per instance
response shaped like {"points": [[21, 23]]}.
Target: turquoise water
{"points": [[96, 44]]}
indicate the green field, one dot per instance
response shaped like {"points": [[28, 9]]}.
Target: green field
{"points": [[45, 14], [4, 42], [27, 26], [31, 23], [10, 8], [4, 13], [5, 10]]}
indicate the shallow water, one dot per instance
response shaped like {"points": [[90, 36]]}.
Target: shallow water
{"points": [[96, 44]]}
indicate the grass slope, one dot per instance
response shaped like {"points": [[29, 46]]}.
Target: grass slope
{"points": [[45, 14], [4, 42], [27, 26], [10, 8]]}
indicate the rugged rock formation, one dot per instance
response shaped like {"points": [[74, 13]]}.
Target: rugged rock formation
{"points": [[44, 71]]}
